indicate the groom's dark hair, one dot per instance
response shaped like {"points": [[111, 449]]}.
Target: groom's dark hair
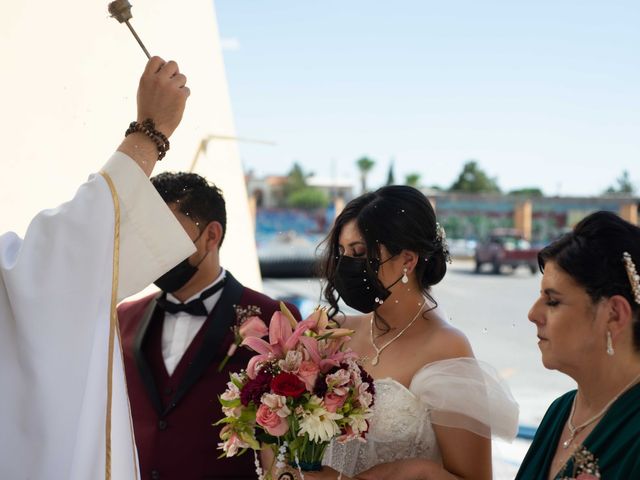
{"points": [[195, 197]]}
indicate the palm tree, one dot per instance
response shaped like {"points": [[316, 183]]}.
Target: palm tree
{"points": [[365, 164], [391, 178], [412, 179]]}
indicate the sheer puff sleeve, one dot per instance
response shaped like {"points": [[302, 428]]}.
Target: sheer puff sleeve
{"points": [[469, 394]]}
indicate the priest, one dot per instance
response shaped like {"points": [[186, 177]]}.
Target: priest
{"points": [[64, 410]]}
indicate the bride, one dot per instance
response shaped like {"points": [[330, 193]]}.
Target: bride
{"points": [[436, 407]]}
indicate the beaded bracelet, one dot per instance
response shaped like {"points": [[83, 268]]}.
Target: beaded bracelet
{"points": [[148, 127]]}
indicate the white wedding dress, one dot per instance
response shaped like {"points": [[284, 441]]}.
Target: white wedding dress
{"points": [[461, 392]]}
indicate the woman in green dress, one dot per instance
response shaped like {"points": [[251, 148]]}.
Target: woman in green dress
{"points": [[588, 324]]}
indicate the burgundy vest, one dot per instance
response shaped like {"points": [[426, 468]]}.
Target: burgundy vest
{"points": [[173, 415]]}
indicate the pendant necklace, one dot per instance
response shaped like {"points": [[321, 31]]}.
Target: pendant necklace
{"points": [[376, 359], [573, 431]]}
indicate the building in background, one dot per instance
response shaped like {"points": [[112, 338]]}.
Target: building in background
{"points": [[540, 219]]}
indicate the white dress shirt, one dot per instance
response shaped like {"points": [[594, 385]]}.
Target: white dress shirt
{"points": [[179, 329]]}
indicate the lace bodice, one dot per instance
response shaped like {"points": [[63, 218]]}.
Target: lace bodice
{"points": [[461, 393], [400, 428]]}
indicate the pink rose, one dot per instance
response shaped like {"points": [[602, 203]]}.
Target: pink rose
{"points": [[277, 404], [333, 402], [272, 423], [253, 327], [308, 373]]}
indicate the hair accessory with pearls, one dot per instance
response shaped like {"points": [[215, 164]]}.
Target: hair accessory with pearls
{"points": [[632, 273], [441, 238]]}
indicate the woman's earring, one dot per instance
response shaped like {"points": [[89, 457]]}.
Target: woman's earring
{"points": [[610, 351], [405, 279]]}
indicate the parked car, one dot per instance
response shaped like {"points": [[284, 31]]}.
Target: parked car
{"points": [[288, 255], [462, 248], [506, 247]]}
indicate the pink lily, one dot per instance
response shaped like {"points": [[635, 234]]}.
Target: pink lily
{"points": [[323, 358], [318, 320], [292, 320], [337, 332], [283, 335], [253, 327], [320, 324], [323, 326], [282, 338]]}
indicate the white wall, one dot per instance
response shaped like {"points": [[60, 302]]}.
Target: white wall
{"points": [[67, 93]]}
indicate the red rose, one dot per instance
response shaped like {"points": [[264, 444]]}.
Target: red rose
{"points": [[254, 388], [287, 384]]}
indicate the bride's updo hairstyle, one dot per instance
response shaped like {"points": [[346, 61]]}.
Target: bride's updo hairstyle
{"points": [[593, 255], [398, 217]]}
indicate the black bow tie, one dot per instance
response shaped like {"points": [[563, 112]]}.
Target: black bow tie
{"points": [[194, 307]]}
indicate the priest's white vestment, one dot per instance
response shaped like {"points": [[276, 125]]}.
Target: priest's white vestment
{"points": [[57, 296]]}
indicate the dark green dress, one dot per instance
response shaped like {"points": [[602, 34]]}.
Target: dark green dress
{"points": [[615, 441]]}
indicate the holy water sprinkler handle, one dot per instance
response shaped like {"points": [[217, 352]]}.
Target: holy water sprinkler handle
{"points": [[121, 11]]}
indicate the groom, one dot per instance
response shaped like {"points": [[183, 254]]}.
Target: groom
{"points": [[175, 340]]}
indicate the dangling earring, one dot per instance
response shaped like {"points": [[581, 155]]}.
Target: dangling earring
{"points": [[405, 279], [610, 351]]}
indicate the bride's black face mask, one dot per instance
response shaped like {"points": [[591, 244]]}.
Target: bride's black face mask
{"points": [[357, 286], [179, 276]]}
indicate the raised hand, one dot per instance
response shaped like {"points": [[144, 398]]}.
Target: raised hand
{"points": [[162, 94]]}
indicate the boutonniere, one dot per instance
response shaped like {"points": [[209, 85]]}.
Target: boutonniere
{"points": [[585, 466], [248, 323]]}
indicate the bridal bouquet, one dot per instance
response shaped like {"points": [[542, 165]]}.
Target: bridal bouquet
{"points": [[301, 390]]}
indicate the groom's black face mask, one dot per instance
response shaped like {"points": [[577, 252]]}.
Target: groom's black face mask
{"points": [[178, 276], [357, 286]]}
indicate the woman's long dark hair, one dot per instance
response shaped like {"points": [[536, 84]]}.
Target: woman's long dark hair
{"points": [[592, 255], [398, 217]]}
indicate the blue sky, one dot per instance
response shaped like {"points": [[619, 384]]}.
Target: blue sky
{"points": [[541, 93]]}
